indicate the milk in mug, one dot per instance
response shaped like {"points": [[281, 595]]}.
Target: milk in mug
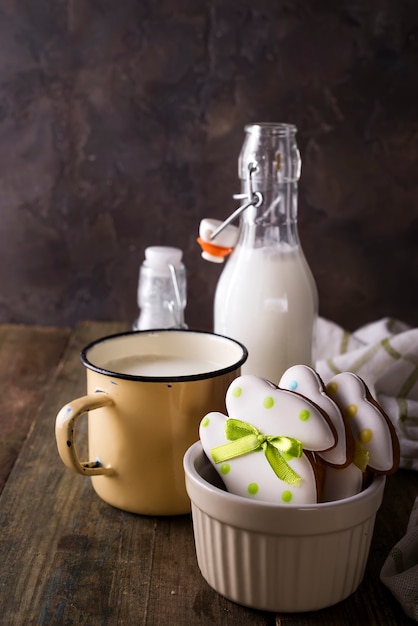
{"points": [[155, 366]]}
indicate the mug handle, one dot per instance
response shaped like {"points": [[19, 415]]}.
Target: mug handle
{"points": [[64, 433]]}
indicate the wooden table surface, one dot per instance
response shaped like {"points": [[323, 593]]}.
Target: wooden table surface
{"points": [[67, 558]]}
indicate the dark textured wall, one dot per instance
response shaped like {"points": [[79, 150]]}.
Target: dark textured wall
{"points": [[121, 124]]}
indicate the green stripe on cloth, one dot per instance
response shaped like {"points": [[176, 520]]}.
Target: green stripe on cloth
{"points": [[333, 367], [344, 342], [403, 409], [365, 358], [356, 365], [403, 414], [370, 353], [390, 349], [409, 383]]}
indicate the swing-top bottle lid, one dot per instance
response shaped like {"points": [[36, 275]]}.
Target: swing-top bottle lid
{"points": [[221, 246], [160, 257]]}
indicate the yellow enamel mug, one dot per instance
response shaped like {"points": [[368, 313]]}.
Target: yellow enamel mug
{"points": [[147, 392]]}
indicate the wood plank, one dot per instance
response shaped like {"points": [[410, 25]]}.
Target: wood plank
{"points": [[48, 516], [69, 558], [28, 358]]}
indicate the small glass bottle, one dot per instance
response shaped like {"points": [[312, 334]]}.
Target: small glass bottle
{"points": [[162, 289], [266, 296]]}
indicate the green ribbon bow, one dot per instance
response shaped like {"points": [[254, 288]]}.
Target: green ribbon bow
{"points": [[246, 438]]}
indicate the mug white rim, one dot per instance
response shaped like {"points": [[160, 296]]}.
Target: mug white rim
{"points": [[165, 379]]}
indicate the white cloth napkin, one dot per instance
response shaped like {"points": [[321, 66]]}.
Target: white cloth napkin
{"points": [[400, 570], [385, 355]]}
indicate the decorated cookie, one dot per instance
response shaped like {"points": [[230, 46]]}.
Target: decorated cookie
{"points": [[377, 445], [263, 447], [305, 381]]}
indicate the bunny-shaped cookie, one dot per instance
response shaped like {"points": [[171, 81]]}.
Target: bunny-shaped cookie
{"points": [[262, 448], [376, 442]]}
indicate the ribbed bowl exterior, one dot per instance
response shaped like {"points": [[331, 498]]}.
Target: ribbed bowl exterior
{"points": [[277, 572], [284, 565]]}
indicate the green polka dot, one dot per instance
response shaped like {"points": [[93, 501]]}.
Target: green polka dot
{"points": [[332, 388], [287, 496], [351, 410], [252, 488], [268, 402], [205, 422], [225, 468], [304, 415], [366, 435], [236, 392]]}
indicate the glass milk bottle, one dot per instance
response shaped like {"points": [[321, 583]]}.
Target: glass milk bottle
{"points": [[266, 296], [161, 289]]}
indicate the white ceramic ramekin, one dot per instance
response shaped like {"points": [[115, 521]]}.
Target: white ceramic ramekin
{"points": [[278, 558]]}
